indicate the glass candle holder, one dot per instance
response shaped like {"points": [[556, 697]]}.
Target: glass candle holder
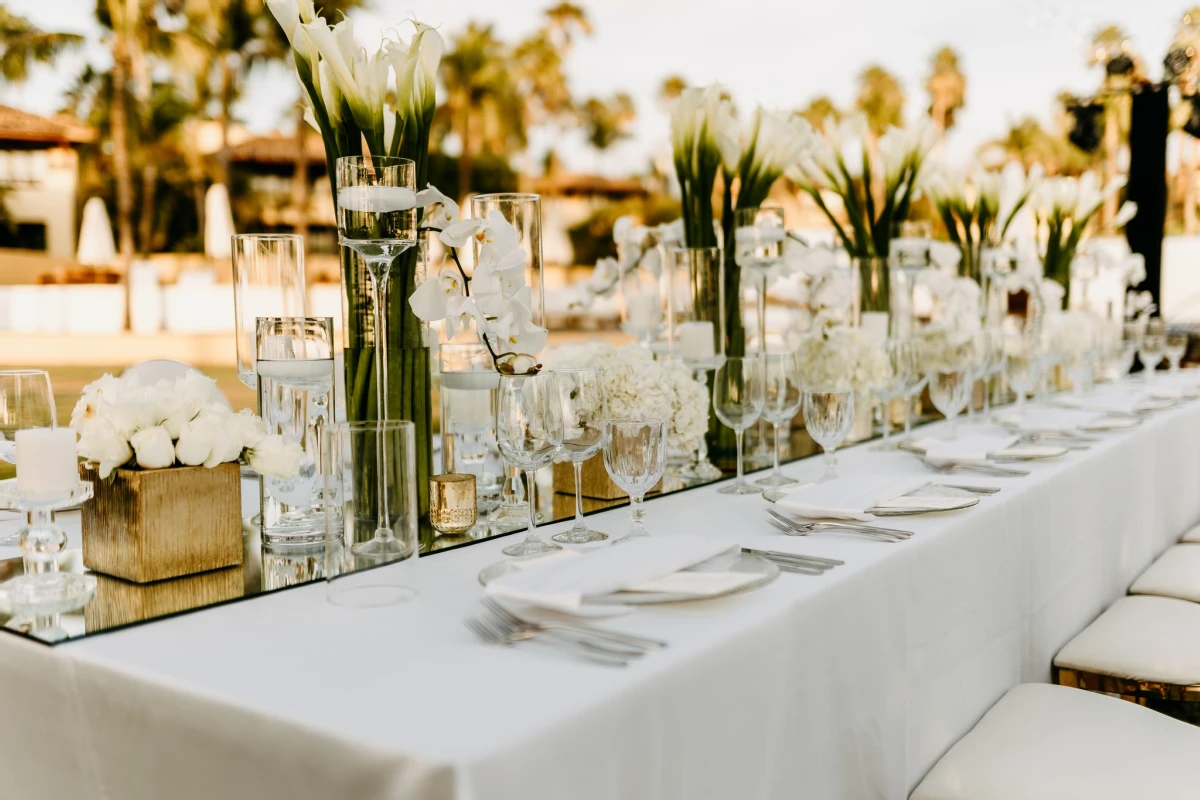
{"points": [[268, 281], [453, 508]]}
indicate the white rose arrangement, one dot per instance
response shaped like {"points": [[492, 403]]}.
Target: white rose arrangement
{"points": [[837, 358], [636, 385], [122, 423]]}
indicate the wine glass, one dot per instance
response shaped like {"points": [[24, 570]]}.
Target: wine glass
{"points": [[1131, 337], [1176, 346], [584, 413], [1152, 346], [635, 455], [377, 218], [901, 364], [739, 393], [782, 397], [991, 357], [916, 379], [529, 432], [828, 418], [949, 389], [26, 401], [1023, 365]]}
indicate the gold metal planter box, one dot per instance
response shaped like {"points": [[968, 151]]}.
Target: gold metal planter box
{"points": [[595, 481], [147, 525]]}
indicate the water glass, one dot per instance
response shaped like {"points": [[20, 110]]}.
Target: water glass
{"points": [[26, 401], [295, 393], [635, 455], [739, 393], [529, 432], [916, 379], [828, 418], [584, 414], [1176, 347], [782, 396], [371, 468], [1023, 361], [949, 390], [1152, 347], [901, 364], [1124, 355], [268, 281]]}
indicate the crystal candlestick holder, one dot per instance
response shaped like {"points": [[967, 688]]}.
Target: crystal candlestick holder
{"points": [[43, 589]]}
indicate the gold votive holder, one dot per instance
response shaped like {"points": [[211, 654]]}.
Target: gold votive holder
{"points": [[452, 504]]}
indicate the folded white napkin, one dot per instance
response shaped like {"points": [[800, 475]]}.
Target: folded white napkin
{"points": [[1051, 420], [563, 584], [1111, 400], [969, 449], [848, 497]]}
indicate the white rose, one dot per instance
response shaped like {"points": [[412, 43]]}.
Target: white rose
{"points": [[275, 457], [196, 442], [107, 388], [180, 403], [153, 448], [224, 432], [102, 444], [245, 427]]}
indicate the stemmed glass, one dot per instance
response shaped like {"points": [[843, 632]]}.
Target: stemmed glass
{"points": [[782, 397], [991, 359], [1151, 348], [828, 418], [529, 433], [901, 365], [759, 236], [949, 389], [916, 380], [377, 218], [1131, 336], [739, 393], [584, 414], [635, 455], [1176, 348], [1023, 365], [26, 401]]}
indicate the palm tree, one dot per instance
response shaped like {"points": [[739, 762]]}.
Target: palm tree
{"points": [[564, 21], [538, 63], [606, 121], [1110, 48], [880, 98], [947, 88], [25, 44], [670, 88], [820, 109]]}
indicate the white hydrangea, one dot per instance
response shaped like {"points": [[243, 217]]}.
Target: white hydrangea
{"points": [[840, 357], [943, 349], [1071, 333]]}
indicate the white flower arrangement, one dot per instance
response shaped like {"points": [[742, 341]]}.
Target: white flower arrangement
{"points": [[122, 423], [1072, 333], [958, 301], [636, 385], [944, 349], [836, 357], [638, 247]]}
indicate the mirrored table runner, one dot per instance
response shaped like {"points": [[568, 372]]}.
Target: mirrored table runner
{"points": [[119, 604]]}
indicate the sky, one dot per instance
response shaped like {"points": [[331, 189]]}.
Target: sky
{"points": [[1016, 54]]}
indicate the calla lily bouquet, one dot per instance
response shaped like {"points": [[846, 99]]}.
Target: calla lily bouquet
{"points": [[501, 307], [876, 189], [978, 209], [122, 423], [1064, 208]]}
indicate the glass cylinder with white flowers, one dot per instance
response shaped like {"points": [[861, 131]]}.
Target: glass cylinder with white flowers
{"points": [[382, 105]]}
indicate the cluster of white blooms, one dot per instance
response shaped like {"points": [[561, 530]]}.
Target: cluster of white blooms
{"points": [[120, 422], [957, 301], [1072, 333], [1076, 200], [638, 386], [638, 247], [835, 358], [944, 349]]}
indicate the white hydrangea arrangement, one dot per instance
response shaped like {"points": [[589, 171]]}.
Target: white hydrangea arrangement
{"points": [[122, 423], [1072, 333], [836, 357], [636, 385], [944, 349]]}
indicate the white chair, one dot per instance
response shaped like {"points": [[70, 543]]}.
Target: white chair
{"points": [[1192, 536], [1140, 648], [1176, 574], [1043, 742]]}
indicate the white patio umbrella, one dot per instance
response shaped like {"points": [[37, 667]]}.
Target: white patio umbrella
{"points": [[218, 222], [96, 247]]}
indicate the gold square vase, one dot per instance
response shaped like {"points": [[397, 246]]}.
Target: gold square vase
{"points": [[594, 481], [147, 525]]}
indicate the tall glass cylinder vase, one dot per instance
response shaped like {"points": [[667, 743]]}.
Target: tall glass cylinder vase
{"points": [[873, 295], [698, 321], [468, 383], [523, 212], [268, 281]]}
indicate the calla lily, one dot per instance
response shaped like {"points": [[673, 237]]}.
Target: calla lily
{"points": [[429, 301], [1127, 212]]}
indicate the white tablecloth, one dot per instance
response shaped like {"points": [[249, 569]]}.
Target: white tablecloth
{"points": [[849, 685]]}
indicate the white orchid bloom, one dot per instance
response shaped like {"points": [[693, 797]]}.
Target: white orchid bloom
{"points": [[429, 301], [515, 332], [440, 210], [460, 312], [495, 236]]}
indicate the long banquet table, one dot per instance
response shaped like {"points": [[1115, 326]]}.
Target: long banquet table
{"points": [[848, 685]]}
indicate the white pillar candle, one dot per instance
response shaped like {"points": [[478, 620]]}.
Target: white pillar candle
{"points": [[47, 464], [642, 310], [696, 340]]}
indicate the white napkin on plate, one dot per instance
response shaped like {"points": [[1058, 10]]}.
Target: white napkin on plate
{"points": [[1110, 400], [972, 448], [848, 497], [563, 584], [1051, 420]]}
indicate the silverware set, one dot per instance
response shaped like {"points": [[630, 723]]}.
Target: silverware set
{"points": [[949, 467], [500, 626], [793, 562], [793, 528]]}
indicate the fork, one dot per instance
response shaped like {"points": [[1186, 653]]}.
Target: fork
{"points": [[791, 530], [802, 528], [627, 639], [986, 469], [491, 635], [518, 631]]}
